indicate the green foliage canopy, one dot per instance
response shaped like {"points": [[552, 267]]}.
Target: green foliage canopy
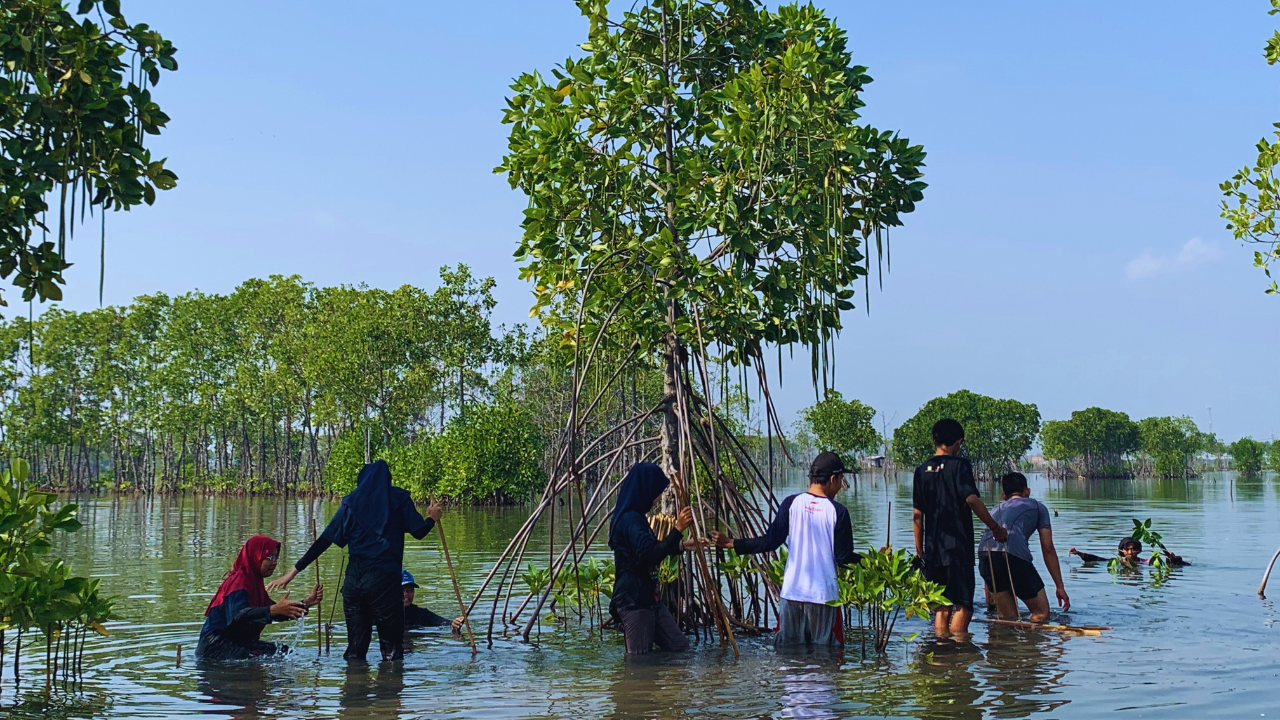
{"points": [[1248, 454], [1253, 194], [1095, 441], [1169, 442], [703, 155], [489, 455], [842, 426], [75, 109], [250, 391], [997, 432]]}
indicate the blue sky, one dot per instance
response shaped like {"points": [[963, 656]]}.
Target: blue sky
{"points": [[1068, 251]]}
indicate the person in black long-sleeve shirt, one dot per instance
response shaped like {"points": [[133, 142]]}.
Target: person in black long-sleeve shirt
{"points": [[419, 617], [241, 608], [819, 537], [371, 523], [636, 555]]}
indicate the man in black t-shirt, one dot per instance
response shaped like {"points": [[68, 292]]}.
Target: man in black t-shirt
{"points": [[944, 498]]}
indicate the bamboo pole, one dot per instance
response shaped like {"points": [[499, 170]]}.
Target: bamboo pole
{"points": [[333, 608], [1082, 630], [319, 625], [1267, 575], [457, 593]]}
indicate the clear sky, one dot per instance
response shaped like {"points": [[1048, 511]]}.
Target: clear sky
{"points": [[1068, 251]]}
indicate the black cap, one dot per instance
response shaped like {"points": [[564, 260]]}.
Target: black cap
{"points": [[826, 465]]}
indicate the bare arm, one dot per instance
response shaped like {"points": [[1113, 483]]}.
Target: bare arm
{"points": [[1055, 571], [917, 529], [980, 509]]}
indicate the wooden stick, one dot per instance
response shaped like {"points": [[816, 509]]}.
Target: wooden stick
{"points": [[333, 608], [1263, 587], [1086, 630], [457, 593], [319, 625]]}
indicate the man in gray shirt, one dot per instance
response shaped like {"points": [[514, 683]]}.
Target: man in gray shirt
{"points": [[1006, 567]]}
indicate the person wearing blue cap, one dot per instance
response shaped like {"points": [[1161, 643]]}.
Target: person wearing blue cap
{"points": [[420, 617]]}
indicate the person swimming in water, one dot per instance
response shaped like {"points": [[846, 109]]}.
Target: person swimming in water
{"points": [[1129, 554]]}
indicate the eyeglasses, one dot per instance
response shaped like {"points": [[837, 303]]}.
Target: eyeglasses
{"points": [[273, 558]]}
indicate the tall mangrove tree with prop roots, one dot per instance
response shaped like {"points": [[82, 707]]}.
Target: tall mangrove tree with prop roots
{"points": [[701, 193]]}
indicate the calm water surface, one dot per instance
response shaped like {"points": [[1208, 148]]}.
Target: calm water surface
{"points": [[1201, 644]]}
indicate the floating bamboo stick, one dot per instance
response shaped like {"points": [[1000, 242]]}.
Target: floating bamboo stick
{"points": [[1085, 630]]}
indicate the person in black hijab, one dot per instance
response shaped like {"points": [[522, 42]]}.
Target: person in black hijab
{"points": [[371, 523], [636, 555]]}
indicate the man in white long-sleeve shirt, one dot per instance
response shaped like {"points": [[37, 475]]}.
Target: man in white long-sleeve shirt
{"points": [[819, 539]]}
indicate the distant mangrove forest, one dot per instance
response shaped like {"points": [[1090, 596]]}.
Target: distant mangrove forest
{"points": [[284, 387]]}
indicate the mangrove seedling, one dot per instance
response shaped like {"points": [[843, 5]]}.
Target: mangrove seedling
{"points": [[883, 587], [36, 593], [1153, 541]]}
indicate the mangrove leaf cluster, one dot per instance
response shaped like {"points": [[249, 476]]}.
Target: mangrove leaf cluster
{"points": [[75, 110], [39, 593], [841, 426]]}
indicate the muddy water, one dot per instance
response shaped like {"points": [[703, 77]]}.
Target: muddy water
{"points": [[1200, 644]]}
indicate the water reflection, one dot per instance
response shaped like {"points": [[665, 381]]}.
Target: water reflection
{"points": [[165, 556], [809, 691], [369, 694], [636, 692], [1025, 671], [943, 682], [239, 689]]}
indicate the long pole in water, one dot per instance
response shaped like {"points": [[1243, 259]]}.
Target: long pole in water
{"points": [[320, 614], [457, 593], [333, 607], [1262, 589]]}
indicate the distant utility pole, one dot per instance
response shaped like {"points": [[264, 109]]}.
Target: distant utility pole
{"points": [[1210, 420]]}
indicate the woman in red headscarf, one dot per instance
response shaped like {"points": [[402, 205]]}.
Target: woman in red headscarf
{"points": [[241, 608]]}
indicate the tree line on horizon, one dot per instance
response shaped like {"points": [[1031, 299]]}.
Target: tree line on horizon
{"points": [[284, 387], [999, 433]]}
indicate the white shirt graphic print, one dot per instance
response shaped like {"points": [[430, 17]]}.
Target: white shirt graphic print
{"points": [[811, 564]]}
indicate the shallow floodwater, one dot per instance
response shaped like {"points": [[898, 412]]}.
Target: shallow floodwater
{"points": [[1200, 644]]}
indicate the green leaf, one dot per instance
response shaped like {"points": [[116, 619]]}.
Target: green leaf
{"points": [[21, 469]]}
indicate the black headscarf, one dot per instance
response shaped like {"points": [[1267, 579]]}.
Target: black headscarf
{"points": [[369, 505], [640, 488]]}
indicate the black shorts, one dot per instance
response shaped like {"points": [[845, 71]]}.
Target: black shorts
{"points": [[1026, 581], [957, 581]]}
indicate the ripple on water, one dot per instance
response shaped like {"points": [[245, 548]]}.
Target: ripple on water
{"points": [[1200, 644]]}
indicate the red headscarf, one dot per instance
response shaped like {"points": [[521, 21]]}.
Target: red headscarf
{"points": [[246, 573]]}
